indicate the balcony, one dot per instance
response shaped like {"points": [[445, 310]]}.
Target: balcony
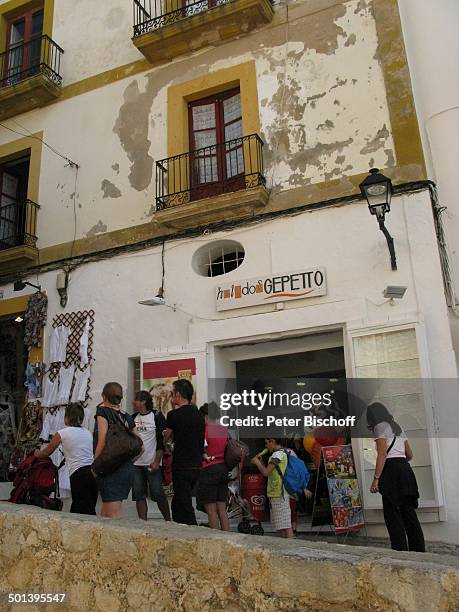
{"points": [[211, 184], [29, 76], [18, 239], [164, 29]]}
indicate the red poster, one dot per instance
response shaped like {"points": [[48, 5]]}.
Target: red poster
{"points": [[158, 377]]}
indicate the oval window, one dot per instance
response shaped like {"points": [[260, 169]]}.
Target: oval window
{"points": [[218, 258]]}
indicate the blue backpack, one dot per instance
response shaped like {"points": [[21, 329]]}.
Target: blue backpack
{"points": [[296, 476]]}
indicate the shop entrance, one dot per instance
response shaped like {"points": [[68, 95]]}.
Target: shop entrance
{"points": [[13, 362], [327, 363], [261, 365]]}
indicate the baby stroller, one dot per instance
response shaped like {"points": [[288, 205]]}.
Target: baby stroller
{"points": [[238, 507], [35, 481]]}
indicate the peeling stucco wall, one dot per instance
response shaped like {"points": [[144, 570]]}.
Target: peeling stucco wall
{"points": [[322, 107]]}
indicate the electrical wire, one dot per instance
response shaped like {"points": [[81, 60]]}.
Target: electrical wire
{"points": [[74, 210], [70, 163], [30, 135]]}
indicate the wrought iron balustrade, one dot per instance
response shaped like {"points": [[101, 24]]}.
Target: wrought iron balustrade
{"points": [[41, 55], [222, 168], [18, 223], [151, 15]]}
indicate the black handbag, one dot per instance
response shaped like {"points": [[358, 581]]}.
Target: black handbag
{"points": [[121, 445]]}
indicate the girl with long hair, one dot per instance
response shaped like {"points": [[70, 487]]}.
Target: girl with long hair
{"points": [[395, 480], [114, 487]]}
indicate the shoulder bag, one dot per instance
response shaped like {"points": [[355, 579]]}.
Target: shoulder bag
{"points": [[121, 445]]}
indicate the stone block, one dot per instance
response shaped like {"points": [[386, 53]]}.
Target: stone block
{"points": [[105, 601], [411, 589], [333, 582], [21, 573], [78, 540]]}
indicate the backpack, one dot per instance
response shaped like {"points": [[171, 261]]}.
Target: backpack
{"points": [[296, 476], [34, 482], [235, 452]]}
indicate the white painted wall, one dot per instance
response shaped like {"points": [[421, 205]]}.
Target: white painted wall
{"points": [[96, 36], [345, 240], [430, 32]]}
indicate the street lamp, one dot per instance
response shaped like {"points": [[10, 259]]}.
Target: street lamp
{"points": [[19, 285], [377, 190]]}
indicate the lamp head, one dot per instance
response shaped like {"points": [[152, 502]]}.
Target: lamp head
{"points": [[154, 301], [377, 190], [19, 285]]}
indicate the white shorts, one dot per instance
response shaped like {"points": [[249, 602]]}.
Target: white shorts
{"points": [[281, 517]]}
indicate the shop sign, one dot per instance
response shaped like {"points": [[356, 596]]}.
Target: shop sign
{"points": [[307, 283]]}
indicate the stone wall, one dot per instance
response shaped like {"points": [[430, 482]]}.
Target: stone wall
{"points": [[121, 566]]}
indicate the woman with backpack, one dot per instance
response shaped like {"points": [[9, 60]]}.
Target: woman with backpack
{"points": [[395, 480], [279, 499], [115, 486], [77, 448]]}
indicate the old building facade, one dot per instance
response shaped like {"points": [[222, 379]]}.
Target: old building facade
{"points": [[193, 146]]}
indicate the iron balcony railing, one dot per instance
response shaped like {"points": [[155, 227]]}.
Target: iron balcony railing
{"points": [[18, 224], [41, 55], [151, 15], [230, 166]]}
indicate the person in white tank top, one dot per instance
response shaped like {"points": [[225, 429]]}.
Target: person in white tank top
{"points": [[395, 480], [77, 446]]}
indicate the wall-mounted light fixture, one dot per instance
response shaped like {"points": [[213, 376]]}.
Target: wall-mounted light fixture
{"points": [[157, 300], [377, 190], [19, 285], [62, 283]]}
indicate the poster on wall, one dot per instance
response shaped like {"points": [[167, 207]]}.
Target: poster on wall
{"points": [[343, 488], [158, 376]]}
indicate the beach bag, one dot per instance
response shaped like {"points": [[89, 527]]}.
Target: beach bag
{"points": [[235, 452], [296, 476], [121, 445]]}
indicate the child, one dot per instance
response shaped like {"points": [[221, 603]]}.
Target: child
{"points": [[278, 496], [77, 447]]}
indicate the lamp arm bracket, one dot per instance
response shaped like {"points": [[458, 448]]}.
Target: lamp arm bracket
{"points": [[390, 244]]}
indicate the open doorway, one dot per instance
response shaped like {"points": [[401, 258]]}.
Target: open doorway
{"points": [[326, 363], [13, 362]]}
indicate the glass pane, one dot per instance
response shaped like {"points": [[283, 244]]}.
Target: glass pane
{"points": [[35, 52], [7, 223], [234, 162], [17, 32], [232, 108], [204, 117], [5, 201], [37, 23], [205, 139], [233, 130], [206, 169], [9, 185]]}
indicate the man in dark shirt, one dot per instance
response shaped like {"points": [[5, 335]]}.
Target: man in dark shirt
{"points": [[186, 425]]}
